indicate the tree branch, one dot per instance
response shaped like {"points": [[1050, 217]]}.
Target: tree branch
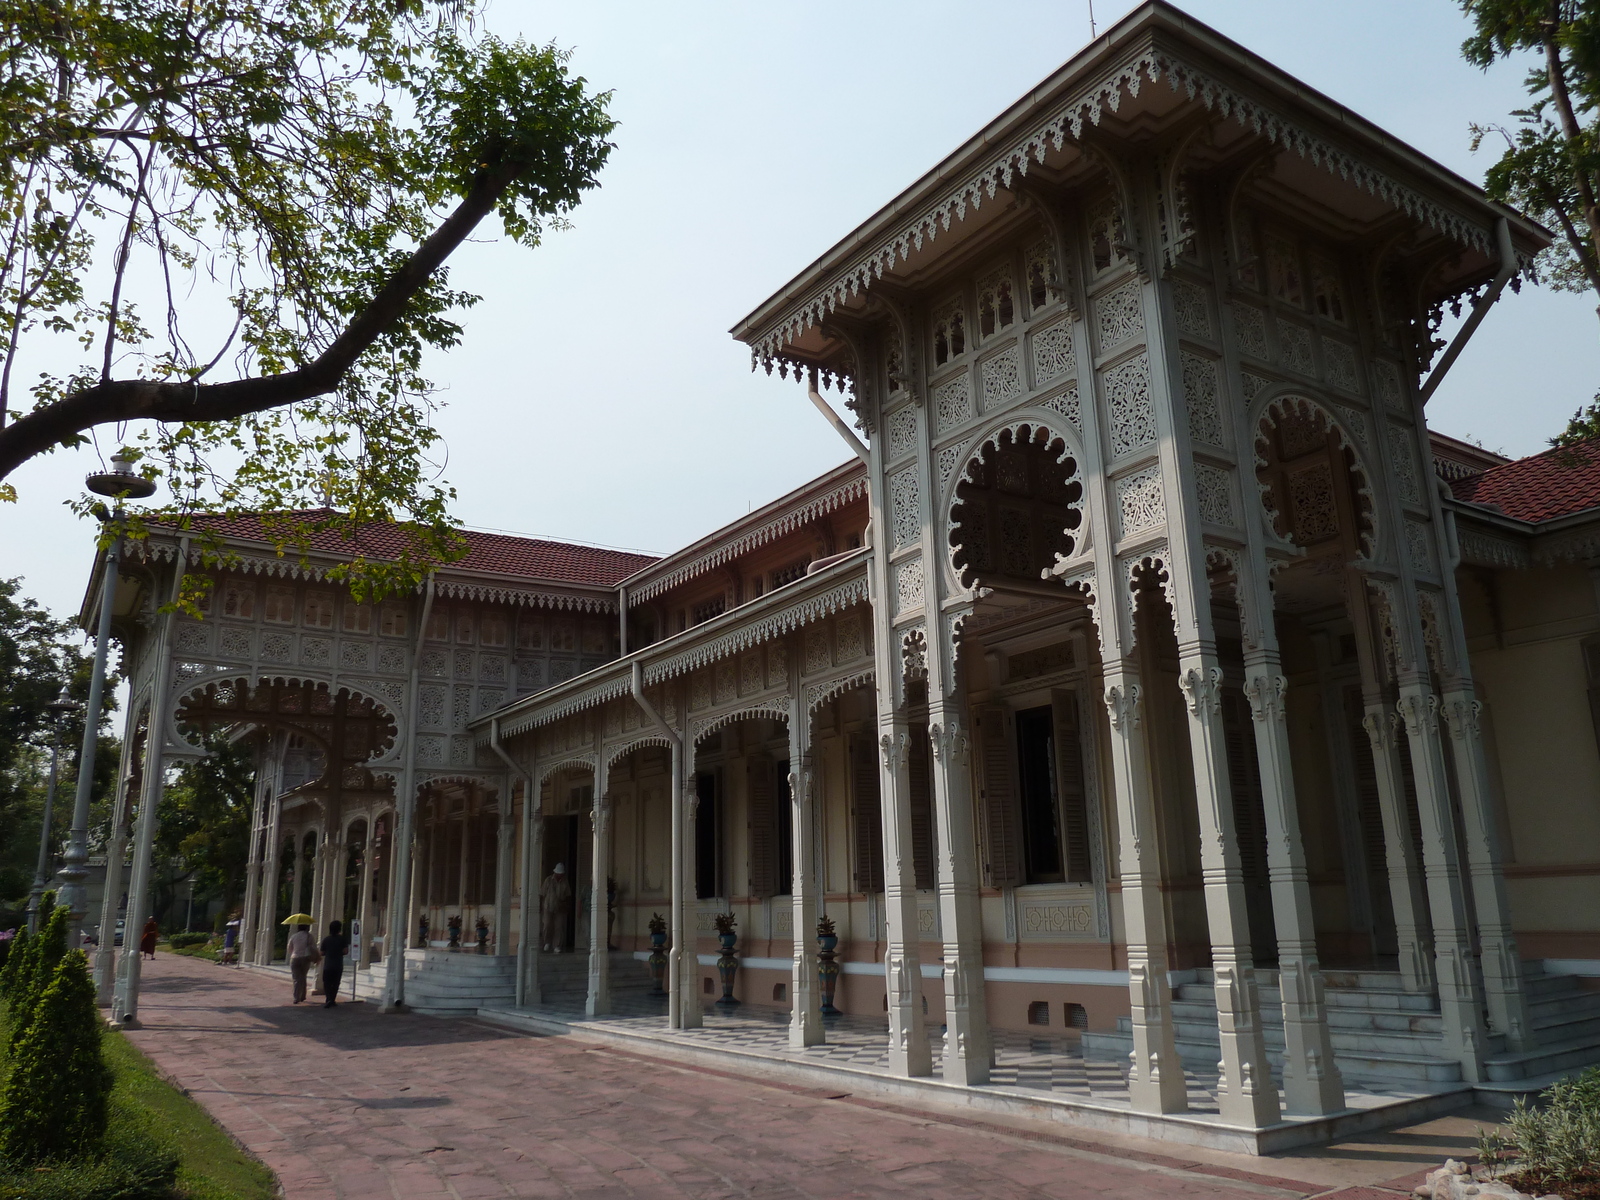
{"points": [[1555, 73], [170, 401]]}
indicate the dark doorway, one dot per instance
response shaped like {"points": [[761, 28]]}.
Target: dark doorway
{"points": [[784, 883], [561, 846], [1036, 759], [707, 837]]}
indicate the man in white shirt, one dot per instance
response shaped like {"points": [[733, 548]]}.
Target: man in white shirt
{"points": [[302, 953]]}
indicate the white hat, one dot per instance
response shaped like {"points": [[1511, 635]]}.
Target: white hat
{"points": [[561, 868]]}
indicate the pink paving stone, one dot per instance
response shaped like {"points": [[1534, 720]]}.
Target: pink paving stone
{"points": [[352, 1105]]}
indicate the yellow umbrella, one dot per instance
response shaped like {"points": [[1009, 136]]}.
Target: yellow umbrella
{"points": [[298, 919]]}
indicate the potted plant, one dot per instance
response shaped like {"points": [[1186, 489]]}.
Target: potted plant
{"points": [[727, 962], [658, 953], [827, 968]]}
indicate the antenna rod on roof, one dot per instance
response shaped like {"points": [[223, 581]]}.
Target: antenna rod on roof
{"points": [[1092, 33]]}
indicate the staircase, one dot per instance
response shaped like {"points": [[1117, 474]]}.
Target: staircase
{"points": [[447, 983], [564, 983], [1386, 1037]]}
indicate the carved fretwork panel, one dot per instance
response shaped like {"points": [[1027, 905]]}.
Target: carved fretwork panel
{"points": [[1016, 509]]}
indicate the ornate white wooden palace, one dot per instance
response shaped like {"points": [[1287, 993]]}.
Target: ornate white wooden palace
{"points": [[1123, 682]]}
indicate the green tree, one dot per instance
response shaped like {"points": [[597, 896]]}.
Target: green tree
{"points": [[36, 653], [306, 166], [1550, 167], [53, 1107], [205, 825]]}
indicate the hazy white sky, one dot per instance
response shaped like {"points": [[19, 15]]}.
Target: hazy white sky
{"points": [[598, 396]]}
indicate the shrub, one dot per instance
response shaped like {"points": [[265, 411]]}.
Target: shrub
{"points": [[53, 1106], [1554, 1147], [14, 960], [179, 940], [36, 972]]}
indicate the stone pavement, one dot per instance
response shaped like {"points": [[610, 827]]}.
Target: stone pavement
{"points": [[352, 1105]]}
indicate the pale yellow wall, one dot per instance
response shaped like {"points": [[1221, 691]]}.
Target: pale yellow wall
{"points": [[1525, 628]]}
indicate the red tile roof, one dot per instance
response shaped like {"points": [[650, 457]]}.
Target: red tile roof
{"points": [[1554, 484], [497, 553]]}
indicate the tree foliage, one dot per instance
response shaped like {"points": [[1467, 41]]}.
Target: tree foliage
{"points": [[38, 653], [302, 168], [1550, 167], [205, 825], [37, 969]]}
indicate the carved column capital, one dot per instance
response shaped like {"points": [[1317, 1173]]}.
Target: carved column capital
{"points": [[1122, 703], [1203, 687], [1266, 693], [1420, 712], [1461, 716]]}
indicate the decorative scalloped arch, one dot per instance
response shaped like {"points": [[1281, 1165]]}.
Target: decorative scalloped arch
{"points": [[1034, 419], [709, 725], [818, 694], [1275, 399], [196, 684], [544, 771], [617, 754]]}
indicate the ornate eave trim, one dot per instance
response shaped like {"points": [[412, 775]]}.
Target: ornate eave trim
{"points": [[601, 600], [751, 539], [723, 637], [1065, 121]]}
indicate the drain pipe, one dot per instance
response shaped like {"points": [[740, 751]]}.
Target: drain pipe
{"points": [[399, 931], [1508, 268], [835, 419], [528, 909]]}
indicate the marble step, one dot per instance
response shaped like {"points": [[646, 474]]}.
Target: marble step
{"points": [[1544, 1059], [1368, 1066]]}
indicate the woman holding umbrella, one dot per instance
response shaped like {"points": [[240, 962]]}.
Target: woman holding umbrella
{"points": [[303, 952]]}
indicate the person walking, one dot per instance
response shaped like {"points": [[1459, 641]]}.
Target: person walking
{"points": [[230, 941], [334, 947], [147, 939], [302, 953], [554, 897]]}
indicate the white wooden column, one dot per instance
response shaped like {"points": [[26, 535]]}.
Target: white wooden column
{"points": [[1156, 1082], [968, 1046], [684, 1008], [1505, 994], [105, 955], [1406, 893], [1312, 1084], [909, 1053], [504, 869], [598, 1002], [528, 990], [125, 1001], [369, 870], [805, 1018], [1459, 1002], [1246, 1093], [253, 860]]}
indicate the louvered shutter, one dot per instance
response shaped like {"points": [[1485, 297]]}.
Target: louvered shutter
{"points": [[1244, 776], [1073, 788], [919, 767], [1002, 823], [760, 813], [864, 797]]}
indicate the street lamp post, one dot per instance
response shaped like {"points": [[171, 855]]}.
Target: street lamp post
{"points": [[58, 709], [118, 483]]}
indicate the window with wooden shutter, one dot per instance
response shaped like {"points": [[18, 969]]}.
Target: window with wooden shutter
{"points": [[868, 809], [707, 839], [1002, 835], [1369, 817], [919, 766], [760, 811], [1074, 788]]}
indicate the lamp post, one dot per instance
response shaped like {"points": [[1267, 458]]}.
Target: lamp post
{"points": [[59, 708], [118, 483]]}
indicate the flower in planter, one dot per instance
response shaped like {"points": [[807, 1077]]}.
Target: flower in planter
{"points": [[658, 924], [825, 928], [724, 923]]}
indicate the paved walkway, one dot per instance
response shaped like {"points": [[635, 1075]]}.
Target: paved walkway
{"points": [[352, 1105]]}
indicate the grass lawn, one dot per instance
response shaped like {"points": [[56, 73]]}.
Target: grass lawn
{"points": [[146, 1108], [211, 1165]]}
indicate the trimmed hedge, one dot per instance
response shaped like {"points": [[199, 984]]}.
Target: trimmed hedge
{"points": [[179, 940]]}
